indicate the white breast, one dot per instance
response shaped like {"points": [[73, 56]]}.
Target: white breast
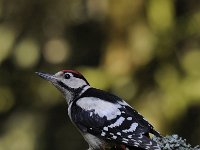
{"points": [[94, 142]]}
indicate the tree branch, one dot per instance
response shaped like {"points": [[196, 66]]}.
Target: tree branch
{"points": [[174, 142]]}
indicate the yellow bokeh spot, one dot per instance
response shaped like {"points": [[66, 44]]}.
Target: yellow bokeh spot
{"points": [[27, 53], [191, 88], [96, 77], [161, 14], [167, 78], [190, 62], [56, 51], [141, 42], [117, 60]]}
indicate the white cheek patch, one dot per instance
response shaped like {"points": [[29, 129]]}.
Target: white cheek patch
{"points": [[100, 107], [74, 82]]}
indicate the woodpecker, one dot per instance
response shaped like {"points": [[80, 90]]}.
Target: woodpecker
{"points": [[105, 120]]}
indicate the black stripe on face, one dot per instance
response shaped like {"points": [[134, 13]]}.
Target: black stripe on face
{"points": [[75, 92], [60, 83]]}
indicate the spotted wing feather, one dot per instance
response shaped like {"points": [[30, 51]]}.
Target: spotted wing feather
{"points": [[127, 127]]}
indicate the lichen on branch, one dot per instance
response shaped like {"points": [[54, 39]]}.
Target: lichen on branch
{"points": [[174, 142]]}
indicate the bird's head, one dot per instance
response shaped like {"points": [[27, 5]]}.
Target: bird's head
{"points": [[71, 83]]}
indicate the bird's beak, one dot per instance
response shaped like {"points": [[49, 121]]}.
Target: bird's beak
{"points": [[46, 76]]}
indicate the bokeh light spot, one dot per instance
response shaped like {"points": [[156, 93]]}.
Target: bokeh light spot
{"points": [[117, 59], [191, 61], [27, 53], [161, 14], [96, 77], [142, 42], [56, 51]]}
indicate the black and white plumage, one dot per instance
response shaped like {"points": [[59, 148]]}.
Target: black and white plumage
{"points": [[104, 119]]}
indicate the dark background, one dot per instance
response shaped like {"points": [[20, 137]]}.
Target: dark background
{"points": [[147, 52]]}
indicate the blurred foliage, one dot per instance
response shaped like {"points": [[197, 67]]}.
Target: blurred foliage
{"points": [[147, 52]]}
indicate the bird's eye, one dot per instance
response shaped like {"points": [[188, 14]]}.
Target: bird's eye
{"points": [[67, 76]]}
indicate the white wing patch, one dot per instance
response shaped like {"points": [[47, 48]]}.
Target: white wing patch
{"points": [[100, 107], [114, 137], [117, 123], [131, 129], [129, 118], [103, 133], [105, 128]]}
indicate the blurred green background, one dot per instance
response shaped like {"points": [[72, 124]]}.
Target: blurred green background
{"points": [[147, 52]]}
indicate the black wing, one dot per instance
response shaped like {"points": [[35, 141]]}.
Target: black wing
{"points": [[129, 111], [119, 124]]}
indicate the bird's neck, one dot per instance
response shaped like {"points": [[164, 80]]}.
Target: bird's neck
{"points": [[71, 96]]}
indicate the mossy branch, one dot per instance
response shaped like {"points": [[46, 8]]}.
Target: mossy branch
{"points": [[174, 142]]}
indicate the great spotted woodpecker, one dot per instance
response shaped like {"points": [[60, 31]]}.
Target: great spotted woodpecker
{"points": [[105, 120]]}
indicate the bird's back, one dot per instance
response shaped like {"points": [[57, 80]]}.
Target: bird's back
{"points": [[111, 119]]}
